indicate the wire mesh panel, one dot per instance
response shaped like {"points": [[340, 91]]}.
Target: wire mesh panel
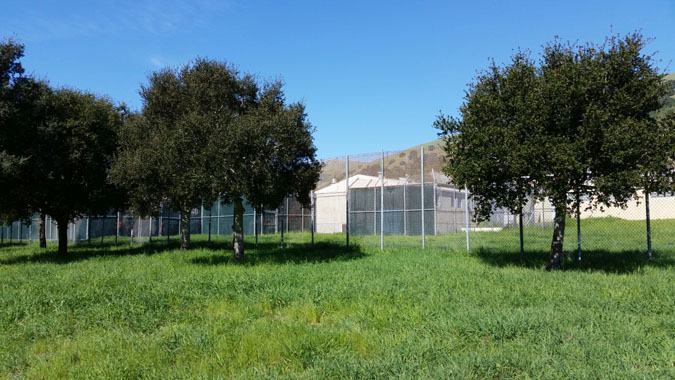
{"points": [[605, 230], [661, 223], [102, 226], [331, 198]]}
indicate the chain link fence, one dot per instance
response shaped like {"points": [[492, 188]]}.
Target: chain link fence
{"points": [[401, 199], [214, 221], [396, 199]]}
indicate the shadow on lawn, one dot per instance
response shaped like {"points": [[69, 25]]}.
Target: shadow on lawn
{"points": [[300, 253], [627, 261], [13, 244], [82, 251], [264, 253]]}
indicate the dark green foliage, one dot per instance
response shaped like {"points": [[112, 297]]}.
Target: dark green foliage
{"points": [[267, 154], [207, 131], [56, 148], [169, 152], [11, 82], [491, 149], [577, 123], [70, 150]]}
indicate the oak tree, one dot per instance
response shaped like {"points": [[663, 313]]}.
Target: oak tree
{"points": [[267, 154], [168, 151], [577, 124]]}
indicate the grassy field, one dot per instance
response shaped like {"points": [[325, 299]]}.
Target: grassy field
{"points": [[151, 311]]}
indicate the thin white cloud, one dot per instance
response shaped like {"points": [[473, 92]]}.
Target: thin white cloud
{"points": [[113, 17], [157, 62]]}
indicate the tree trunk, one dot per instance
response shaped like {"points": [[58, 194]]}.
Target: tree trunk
{"points": [[43, 236], [63, 236], [555, 256], [238, 229], [185, 229]]}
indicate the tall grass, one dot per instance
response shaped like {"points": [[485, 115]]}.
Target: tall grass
{"points": [[151, 311]]}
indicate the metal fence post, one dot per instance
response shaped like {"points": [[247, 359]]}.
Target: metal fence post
{"points": [[375, 210], [435, 211], [218, 218], [347, 198], [405, 206], [382, 204], [466, 216], [201, 216], [210, 212], [87, 230], [160, 222], [117, 227], [649, 226], [578, 226], [312, 210], [282, 236], [168, 225], [520, 223], [287, 213], [422, 193], [255, 226], [150, 228]]}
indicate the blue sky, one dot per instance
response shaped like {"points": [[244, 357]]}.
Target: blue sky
{"points": [[373, 75]]}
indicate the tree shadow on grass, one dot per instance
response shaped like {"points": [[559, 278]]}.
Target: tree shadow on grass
{"points": [[82, 251], [264, 253], [8, 244], [617, 262], [298, 254]]}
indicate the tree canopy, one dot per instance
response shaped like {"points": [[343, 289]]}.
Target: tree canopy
{"points": [[11, 82], [70, 142], [207, 131], [56, 148], [578, 123], [266, 155], [168, 153]]}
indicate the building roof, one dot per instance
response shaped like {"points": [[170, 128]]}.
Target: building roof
{"points": [[361, 181]]}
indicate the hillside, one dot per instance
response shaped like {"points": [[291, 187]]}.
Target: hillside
{"points": [[398, 164], [668, 99]]}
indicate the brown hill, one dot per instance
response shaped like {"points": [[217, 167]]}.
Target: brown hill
{"points": [[398, 164]]}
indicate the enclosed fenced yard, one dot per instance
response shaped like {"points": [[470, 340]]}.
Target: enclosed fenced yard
{"points": [[325, 310]]}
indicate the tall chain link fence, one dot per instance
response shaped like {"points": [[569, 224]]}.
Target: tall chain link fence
{"points": [[397, 199]]}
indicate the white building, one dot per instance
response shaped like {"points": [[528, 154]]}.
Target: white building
{"points": [[331, 211]]}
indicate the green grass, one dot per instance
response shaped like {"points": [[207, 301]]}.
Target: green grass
{"points": [[151, 311]]}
